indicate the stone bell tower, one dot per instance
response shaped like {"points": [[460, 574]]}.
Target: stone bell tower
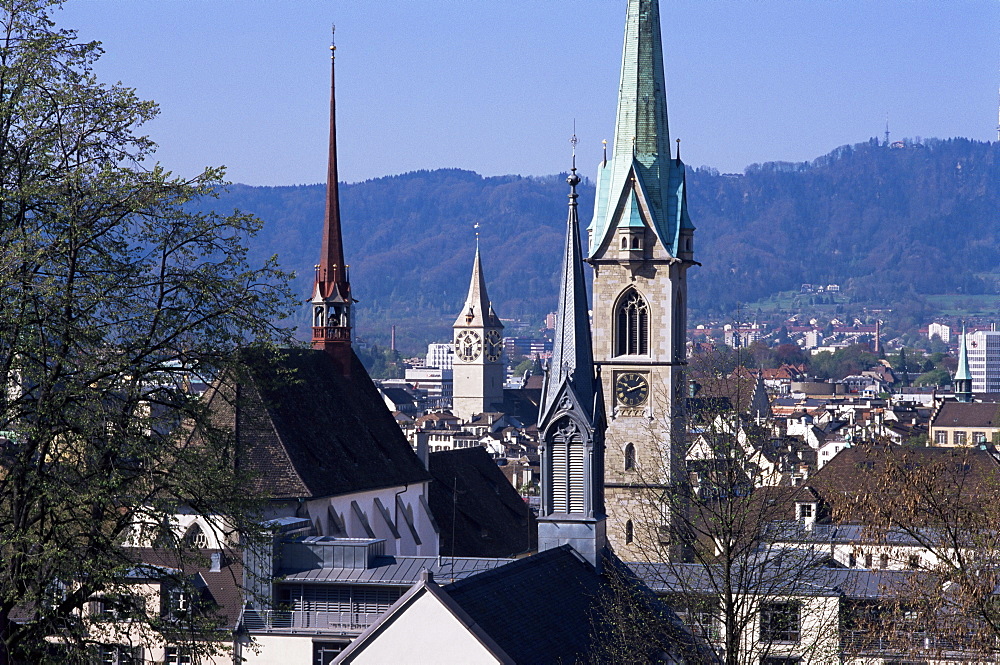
{"points": [[641, 246]]}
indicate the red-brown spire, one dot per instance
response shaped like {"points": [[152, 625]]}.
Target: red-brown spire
{"points": [[332, 257], [332, 290]]}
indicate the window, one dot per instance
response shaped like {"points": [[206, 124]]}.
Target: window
{"points": [[176, 602], [979, 437], [779, 622], [567, 486], [629, 532], [941, 438], [177, 656], [629, 456], [883, 561], [852, 560], [325, 652], [914, 561], [868, 560], [195, 537], [959, 438], [805, 510], [632, 316], [118, 654]]}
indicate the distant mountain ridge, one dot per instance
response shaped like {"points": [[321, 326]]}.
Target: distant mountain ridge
{"points": [[883, 222]]}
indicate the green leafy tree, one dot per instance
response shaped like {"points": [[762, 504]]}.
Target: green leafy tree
{"points": [[115, 299]]}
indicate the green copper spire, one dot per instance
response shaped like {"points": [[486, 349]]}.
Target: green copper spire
{"points": [[642, 184], [963, 377]]}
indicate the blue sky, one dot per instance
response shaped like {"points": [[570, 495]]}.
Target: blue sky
{"points": [[495, 86]]}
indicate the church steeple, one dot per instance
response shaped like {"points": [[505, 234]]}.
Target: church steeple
{"points": [[571, 417], [642, 185], [331, 299], [478, 369], [963, 377], [572, 349], [478, 311]]}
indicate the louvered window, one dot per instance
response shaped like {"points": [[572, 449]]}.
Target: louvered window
{"points": [[632, 317], [568, 486], [559, 475]]}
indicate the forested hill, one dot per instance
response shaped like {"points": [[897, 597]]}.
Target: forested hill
{"points": [[885, 223]]}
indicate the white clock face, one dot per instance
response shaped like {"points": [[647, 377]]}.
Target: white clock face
{"points": [[494, 346], [468, 345]]}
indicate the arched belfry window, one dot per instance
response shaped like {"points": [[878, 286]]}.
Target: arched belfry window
{"points": [[195, 537], [318, 316], [629, 456], [632, 320], [567, 468]]}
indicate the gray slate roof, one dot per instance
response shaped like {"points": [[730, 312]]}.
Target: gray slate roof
{"points": [[397, 571]]}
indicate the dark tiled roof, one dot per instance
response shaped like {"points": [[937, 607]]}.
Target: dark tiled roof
{"points": [[543, 608], [487, 517], [306, 431], [968, 414], [860, 469], [522, 404]]}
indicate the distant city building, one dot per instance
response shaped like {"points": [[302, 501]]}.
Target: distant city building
{"points": [[436, 381], [984, 360], [550, 321], [941, 330], [440, 355], [744, 336], [813, 339], [529, 347]]}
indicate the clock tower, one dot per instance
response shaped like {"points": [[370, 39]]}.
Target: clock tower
{"points": [[478, 369], [641, 246]]}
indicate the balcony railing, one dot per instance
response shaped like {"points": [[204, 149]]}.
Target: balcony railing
{"points": [[302, 621], [905, 643]]}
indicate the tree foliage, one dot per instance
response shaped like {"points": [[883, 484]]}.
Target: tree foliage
{"points": [[115, 300]]}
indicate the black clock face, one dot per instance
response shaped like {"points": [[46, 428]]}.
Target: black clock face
{"points": [[493, 346], [631, 388], [468, 345]]}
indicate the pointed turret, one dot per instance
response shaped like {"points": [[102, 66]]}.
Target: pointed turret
{"points": [[963, 377], [641, 185], [571, 417], [572, 349], [331, 298], [478, 310]]}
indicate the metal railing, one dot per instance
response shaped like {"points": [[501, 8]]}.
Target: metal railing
{"points": [[292, 621]]}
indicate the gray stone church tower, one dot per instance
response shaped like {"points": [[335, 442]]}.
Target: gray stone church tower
{"points": [[478, 370], [641, 246]]}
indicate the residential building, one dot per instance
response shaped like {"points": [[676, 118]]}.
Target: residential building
{"points": [[965, 424]]}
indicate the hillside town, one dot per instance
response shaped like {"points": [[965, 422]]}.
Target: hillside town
{"points": [[623, 486]]}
